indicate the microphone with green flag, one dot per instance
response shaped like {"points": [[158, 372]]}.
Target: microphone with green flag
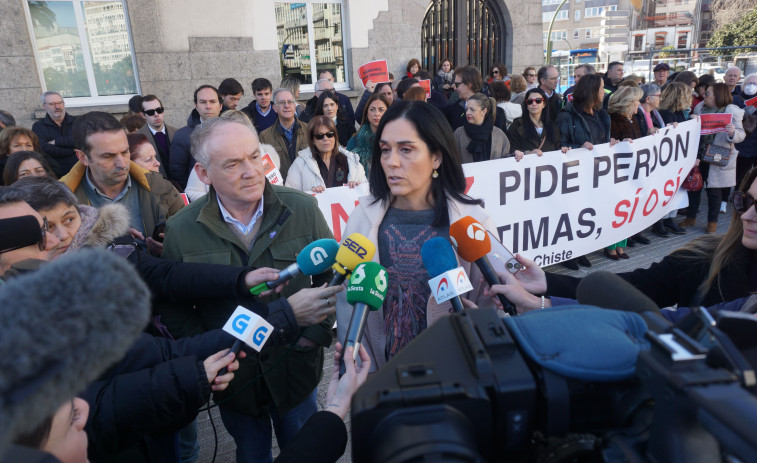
{"points": [[365, 291]]}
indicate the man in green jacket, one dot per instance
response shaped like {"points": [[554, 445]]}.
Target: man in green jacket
{"points": [[244, 220]]}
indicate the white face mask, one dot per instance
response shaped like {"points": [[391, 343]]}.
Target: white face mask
{"points": [[750, 89]]}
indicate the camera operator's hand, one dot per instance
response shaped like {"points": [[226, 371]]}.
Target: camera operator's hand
{"points": [[341, 390], [215, 362], [312, 305], [532, 277], [511, 288], [261, 275]]}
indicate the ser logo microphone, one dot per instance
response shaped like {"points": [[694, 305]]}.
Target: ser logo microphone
{"points": [[249, 328], [355, 247], [318, 255]]}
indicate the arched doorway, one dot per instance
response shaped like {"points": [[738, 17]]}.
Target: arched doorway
{"points": [[465, 31]]}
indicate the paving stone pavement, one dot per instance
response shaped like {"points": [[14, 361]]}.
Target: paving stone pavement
{"points": [[642, 256]]}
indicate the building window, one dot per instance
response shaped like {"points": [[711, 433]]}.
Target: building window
{"points": [[562, 15], [683, 38], [550, 2], [577, 15], [84, 50], [310, 38], [575, 33], [558, 36], [593, 12]]}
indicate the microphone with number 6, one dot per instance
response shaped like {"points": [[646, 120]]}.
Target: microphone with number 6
{"points": [[449, 281], [473, 244], [365, 291], [315, 258], [355, 249], [249, 328]]}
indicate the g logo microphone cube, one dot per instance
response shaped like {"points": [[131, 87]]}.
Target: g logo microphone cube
{"points": [[249, 328]]}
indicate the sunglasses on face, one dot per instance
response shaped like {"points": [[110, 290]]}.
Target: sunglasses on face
{"points": [[151, 112], [743, 201], [495, 72], [531, 75], [531, 101], [321, 136]]}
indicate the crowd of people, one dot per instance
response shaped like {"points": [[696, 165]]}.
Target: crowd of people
{"points": [[92, 181]]}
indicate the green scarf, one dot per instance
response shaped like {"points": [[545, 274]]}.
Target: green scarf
{"points": [[364, 146]]}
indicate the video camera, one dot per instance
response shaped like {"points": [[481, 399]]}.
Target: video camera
{"points": [[474, 387]]}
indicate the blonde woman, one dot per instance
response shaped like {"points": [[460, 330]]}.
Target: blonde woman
{"points": [[675, 103], [478, 139]]}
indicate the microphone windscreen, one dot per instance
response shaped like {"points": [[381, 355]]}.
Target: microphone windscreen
{"points": [[318, 256], [470, 238], [355, 249], [368, 284], [438, 256], [62, 326], [18, 232], [605, 289]]}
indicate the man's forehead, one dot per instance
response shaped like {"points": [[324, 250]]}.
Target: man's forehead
{"points": [[206, 94], [220, 137], [18, 209], [151, 104], [53, 99], [114, 141]]}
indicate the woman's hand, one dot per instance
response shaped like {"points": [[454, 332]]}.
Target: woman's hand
{"points": [[531, 276], [653, 130], [518, 155], [216, 362], [340, 391], [352, 184], [613, 141], [537, 152], [730, 130], [629, 140], [515, 292], [565, 149], [319, 189], [588, 146], [370, 86]]}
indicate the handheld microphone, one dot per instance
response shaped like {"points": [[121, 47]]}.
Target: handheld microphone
{"points": [[314, 258], [249, 328], [365, 291], [473, 244], [355, 249], [605, 289], [448, 281]]}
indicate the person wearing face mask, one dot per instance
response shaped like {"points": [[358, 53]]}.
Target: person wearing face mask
{"points": [[748, 148]]}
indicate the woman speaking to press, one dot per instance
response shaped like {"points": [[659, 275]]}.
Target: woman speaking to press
{"points": [[417, 191], [324, 164], [478, 139]]}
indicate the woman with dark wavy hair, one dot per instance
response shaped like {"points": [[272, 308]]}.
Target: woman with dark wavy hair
{"points": [[417, 191], [26, 164]]}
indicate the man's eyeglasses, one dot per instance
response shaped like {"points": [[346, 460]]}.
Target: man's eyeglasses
{"points": [[743, 201], [531, 74], [55, 103], [285, 102], [151, 112], [321, 136], [26, 223], [531, 101]]}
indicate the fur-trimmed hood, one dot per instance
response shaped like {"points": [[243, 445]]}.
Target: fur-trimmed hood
{"points": [[100, 227]]}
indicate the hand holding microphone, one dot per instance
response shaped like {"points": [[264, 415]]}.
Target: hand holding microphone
{"points": [[355, 249], [473, 244], [315, 258]]}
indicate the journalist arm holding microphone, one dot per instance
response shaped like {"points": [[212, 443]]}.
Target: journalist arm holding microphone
{"points": [[708, 271], [417, 191]]}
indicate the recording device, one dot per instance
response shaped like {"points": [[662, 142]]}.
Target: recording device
{"points": [[159, 229], [568, 384], [314, 258], [355, 249], [249, 328], [448, 281], [366, 292], [473, 244], [501, 258]]}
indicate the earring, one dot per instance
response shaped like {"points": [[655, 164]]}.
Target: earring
{"points": [[435, 174]]}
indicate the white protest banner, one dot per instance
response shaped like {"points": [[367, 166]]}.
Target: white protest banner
{"points": [[560, 206], [337, 204]]}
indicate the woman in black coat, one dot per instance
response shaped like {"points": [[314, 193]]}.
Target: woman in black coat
{"points": [[534, 132], [328, 105]]}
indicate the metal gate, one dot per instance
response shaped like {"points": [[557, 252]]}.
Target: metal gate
{"points": [[465, 31]]}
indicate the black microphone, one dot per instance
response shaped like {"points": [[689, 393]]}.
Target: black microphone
{"points": [[607, 290]]}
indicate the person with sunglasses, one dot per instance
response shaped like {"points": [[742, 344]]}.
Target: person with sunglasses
{"points": [[158, 133], [534, 132], [24, 234], [324, 164]]}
